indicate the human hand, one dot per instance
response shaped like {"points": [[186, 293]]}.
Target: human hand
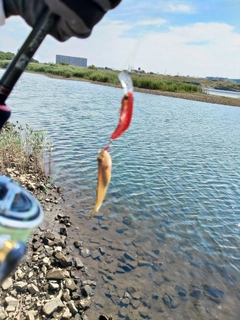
{"points": [[77, 17]]}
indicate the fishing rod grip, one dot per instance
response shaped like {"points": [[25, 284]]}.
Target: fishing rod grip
{"points": [[19, 63]]}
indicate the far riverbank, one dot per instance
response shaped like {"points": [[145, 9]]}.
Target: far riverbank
{"points": [[142, 83], [203, 97]]}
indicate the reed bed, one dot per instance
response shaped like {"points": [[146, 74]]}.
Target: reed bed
{"points": [[22, 148]]}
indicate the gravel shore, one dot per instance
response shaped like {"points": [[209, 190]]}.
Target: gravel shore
{"points": [[49, 283]]}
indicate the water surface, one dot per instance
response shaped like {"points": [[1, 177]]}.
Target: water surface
{"points": [[173, 201]]}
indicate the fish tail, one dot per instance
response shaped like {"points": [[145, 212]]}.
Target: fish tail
{"points": [[94, 210]]}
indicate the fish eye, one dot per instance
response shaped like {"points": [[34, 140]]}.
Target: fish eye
{"points": [[125, 97]]}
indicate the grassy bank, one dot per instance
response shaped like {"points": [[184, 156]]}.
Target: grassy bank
{"points": [[23, 149], [143, 81]]}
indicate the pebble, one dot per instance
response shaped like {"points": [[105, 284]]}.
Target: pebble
{"points": [[7, 284], [85, 253]]}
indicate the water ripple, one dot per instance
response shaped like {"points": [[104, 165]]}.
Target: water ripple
{"points": [[175, 172]]}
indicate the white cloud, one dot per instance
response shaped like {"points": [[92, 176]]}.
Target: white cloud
{"points": [[218, 53], [179, 8], [199, 49], [156, 22]]}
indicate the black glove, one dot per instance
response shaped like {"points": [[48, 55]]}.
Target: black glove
{"points": [[77, 17]]}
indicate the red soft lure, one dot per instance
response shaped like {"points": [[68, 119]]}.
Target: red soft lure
{"points": [[126, 110]]}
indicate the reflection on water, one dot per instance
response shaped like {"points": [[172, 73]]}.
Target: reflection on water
{"points": [[170, 225]]}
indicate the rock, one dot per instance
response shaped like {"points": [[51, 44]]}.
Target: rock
{"points": [[144, 312], [129, 256], [47, 261], [132, 264], [85, 253], [7, 283], [53, 285], [32, 289], [144, 263], [166, 299], [136, 295], [182, 292], [19, 274], [196, 294], [63, 260], [66, 314], [174, 303], [214, 292], [87, 290], [120, 270], [125, 301], [95, 254], [49, 235], [75, 296], [72, 308], [123, 312], [124, 266], [10, 309], [59, 243], [30, 316], [63, 231], [20, 285], [103, 317], [70, 284], [11, 301], [135, 303], [152, 255], [89, 282], [37, 245], [85, 303], [53, 305], [170, 301], [78, 263], [66, 296], [3, 314], [55, 274], [78, 244]]}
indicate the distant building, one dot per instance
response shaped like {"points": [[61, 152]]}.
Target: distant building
{"points": [[73, 61]]}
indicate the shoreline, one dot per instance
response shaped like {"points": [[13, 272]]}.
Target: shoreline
{"points": [[75, 268], [50, 282], [201, 97]]}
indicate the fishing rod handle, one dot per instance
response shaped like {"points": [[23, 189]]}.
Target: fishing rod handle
{"points": [[15, 69]]}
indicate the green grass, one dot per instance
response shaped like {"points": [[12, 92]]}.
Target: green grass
{"points": [[144, 81], [22, 148]]}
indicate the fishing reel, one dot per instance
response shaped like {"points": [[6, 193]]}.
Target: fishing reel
{"points": [[20, 213]]}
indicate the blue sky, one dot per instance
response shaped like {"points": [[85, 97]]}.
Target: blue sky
{"points": [[188, 37]]}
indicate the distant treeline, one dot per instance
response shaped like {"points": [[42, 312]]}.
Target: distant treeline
{"points": [[92, 73], [9, 56]]}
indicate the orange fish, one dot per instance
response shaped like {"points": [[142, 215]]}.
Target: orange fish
{"points": [[104, 176]]}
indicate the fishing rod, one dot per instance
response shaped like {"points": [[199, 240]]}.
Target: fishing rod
{"points": [[14, 71]]}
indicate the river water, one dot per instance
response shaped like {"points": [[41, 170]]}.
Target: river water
{"points": [[223, 93], [169, 229]]}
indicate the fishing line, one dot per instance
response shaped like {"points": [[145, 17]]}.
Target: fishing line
{"points": [[131, 58]]}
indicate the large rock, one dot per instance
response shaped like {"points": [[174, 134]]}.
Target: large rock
{"points": [[63, 260], [53, 305], [55, 274], [11, 301]]}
